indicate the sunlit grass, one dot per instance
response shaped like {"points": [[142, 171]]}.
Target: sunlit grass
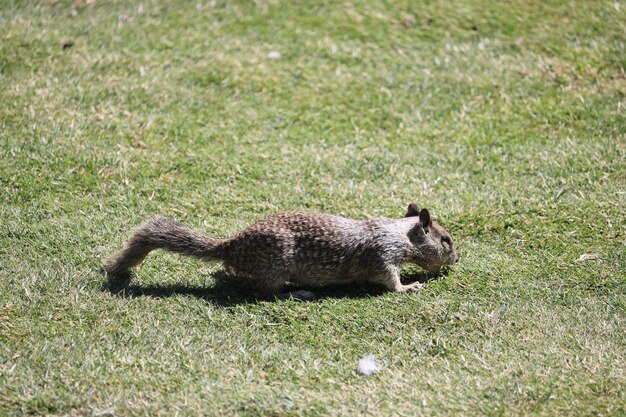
{"points": [[506, 119]]}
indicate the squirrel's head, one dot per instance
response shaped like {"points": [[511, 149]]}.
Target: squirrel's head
{"points": [[432, 245]]}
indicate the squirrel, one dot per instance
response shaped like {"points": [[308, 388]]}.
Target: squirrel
{"points": [[305, 249]]}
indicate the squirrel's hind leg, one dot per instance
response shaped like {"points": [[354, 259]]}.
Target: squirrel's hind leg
{"points": [[267, 285], [271, 286]]}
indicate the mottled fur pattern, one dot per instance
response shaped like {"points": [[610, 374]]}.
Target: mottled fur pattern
{"points": [[302, 248]]}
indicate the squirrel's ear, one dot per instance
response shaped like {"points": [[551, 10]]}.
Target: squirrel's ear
{"points": [[425, 220], [412, 211]]}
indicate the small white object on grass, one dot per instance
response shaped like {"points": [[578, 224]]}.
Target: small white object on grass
{"points": [[587, 257], [273, 55], [368, 365]]}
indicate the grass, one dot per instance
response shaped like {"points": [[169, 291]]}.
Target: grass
{"points": [[505, 119]]}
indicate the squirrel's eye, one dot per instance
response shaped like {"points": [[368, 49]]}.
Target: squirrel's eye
{"points": [[446, 241]]}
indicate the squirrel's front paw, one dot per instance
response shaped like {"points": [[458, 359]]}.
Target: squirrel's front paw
{"points": [[414, 287]]}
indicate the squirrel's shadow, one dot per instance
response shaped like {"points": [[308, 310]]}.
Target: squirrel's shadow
{"points": [[230, 290]]}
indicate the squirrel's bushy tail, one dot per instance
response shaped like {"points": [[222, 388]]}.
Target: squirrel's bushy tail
{"points": [[161, 233]]}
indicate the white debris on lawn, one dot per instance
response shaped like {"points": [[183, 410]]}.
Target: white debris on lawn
{"points": [[368, 365], [273, 55], [587, 257]]}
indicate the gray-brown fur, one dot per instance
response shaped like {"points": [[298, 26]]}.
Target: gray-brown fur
{"points": [[302, 248]]}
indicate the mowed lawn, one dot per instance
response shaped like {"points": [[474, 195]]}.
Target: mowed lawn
{"points": [[507, 119]]}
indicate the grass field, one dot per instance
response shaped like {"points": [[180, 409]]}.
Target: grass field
{"points": [[506, 119]]}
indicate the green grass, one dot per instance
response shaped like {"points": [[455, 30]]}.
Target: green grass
{"points": [[506, 119]]}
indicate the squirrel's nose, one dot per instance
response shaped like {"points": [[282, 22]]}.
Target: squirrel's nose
{"points": [[458, 258]]}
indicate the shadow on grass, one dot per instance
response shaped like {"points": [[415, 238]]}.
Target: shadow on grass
{"points": [[228, 290], [231, 290]]}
